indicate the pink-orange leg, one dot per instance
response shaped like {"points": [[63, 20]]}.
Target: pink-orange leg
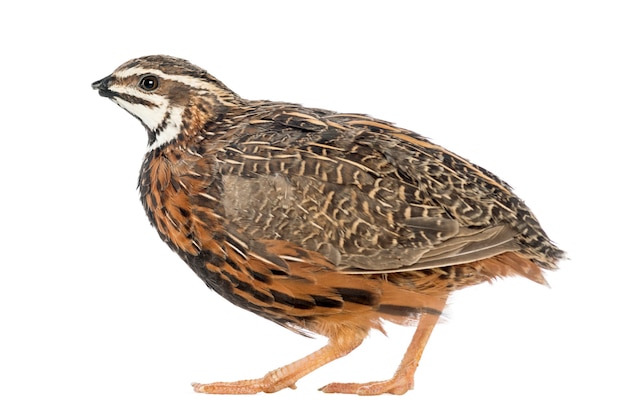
{"points": [[286, 376], [402, 380]]}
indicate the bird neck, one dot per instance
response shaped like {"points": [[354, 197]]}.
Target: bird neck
{"points": [[199, 115], [168, 130]]}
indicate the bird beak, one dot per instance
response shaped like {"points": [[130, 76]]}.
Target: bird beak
{"points": [[102, 86]]}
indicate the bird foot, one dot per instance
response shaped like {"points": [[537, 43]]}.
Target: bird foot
{"points": [[398, 385], [267, 384]]}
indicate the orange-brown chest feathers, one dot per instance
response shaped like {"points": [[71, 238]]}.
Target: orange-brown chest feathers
{"points": [[175, 186]]}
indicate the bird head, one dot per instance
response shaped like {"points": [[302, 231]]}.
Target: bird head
{"points": [[167, 95]]}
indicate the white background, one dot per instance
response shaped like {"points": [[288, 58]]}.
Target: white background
{"points": [[98, 316]]}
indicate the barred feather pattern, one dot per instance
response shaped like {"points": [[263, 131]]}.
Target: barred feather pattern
{"points": [[286, 210]]}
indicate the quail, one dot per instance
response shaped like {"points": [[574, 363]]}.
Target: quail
{"points": [[323, 222]]}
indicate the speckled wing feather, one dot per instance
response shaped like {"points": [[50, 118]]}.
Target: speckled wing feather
{"points": [[361, 192]]}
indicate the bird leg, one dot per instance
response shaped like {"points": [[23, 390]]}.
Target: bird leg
{"points": [[402, 380], [288, 375]]}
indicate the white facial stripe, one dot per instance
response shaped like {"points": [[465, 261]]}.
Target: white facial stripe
{"points": [[151, 116], [171, 130], [153, 98], [184, 79]]}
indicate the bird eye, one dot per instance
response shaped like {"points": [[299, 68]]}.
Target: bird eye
{"points": [[149, 83]]}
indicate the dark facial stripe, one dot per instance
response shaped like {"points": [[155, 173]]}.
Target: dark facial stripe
{"points": [[131, 99], [103, 89]]}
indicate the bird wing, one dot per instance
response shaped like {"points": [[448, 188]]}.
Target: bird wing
{"points": [[368, 196]]}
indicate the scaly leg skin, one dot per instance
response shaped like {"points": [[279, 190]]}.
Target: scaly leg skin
{"points": [[402, 380], [286, 376]]}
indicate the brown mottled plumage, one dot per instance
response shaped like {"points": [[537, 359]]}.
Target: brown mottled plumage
{"points": [[319, 221]]}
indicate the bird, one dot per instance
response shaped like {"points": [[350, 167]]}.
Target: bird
{"points": [[326, 223]]}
